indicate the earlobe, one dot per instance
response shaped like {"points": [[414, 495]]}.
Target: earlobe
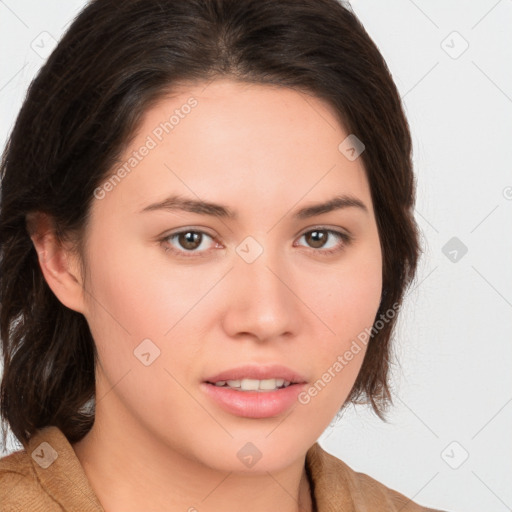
{"points": [[58, 265]]}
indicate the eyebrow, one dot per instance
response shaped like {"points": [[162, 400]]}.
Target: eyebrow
{"points": [[180, 203]]}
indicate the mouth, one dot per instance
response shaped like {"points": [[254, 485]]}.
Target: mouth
{"points": [[255, 391], [252, 377], [247, 384]]}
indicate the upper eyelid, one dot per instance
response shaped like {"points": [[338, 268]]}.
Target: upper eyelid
{"points": [[320, 227]]}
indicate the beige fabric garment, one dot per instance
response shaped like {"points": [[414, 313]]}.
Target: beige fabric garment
{"points": [[47, 477]]}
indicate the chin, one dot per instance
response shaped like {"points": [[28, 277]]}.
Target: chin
{"points": [[255, 450]]}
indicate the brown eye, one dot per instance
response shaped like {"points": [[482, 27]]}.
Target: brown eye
{"points": [[189, 239], [316, 238], [323, 238], [187, 243]]}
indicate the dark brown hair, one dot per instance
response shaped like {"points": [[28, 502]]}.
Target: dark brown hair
{"points": [[116, 60]]}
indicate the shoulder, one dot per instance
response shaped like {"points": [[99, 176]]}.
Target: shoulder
{"points": [[343, 488], [45, 476], [19, 485]]}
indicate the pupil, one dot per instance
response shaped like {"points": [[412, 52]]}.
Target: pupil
{"points": [[189, 240], [316, 238]]}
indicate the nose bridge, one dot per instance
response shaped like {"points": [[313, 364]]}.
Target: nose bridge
{"points": [[261, 264], [260, 301]]}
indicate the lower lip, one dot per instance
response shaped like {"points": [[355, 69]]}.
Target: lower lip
{"points": [[254, 404]]}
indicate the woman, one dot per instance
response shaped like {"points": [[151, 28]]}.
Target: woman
{"points": [[207, 232]]}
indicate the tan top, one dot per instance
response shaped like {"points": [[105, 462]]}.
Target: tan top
{"points": [[47, 477]]}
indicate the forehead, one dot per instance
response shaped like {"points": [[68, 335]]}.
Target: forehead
{"points": [[241, 141]]}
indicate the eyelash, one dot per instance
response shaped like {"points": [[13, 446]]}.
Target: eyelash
{"points": [[346, 240]]}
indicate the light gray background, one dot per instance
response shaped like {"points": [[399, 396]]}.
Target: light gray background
{"points": [[453, 389]]}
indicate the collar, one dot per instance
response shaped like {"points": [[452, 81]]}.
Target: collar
{"points": [[60, 473], [330, 483]]}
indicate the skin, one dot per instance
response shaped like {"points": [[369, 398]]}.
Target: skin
{"points": [[158, 442]]}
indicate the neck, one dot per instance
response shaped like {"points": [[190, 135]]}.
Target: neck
{"points": [[132, 471]]}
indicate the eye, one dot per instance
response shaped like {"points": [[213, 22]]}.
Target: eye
{"points": [[187, 241], [317, 238], [194, 243]]}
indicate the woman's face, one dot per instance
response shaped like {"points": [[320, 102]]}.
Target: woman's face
{"points": [[183, 294]]}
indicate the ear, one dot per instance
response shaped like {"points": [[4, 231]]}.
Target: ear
{"points": [[58, 264]]}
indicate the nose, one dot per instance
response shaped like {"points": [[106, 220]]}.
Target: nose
{"points": [[261, 300]]}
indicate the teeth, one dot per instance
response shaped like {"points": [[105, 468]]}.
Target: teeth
{"points": [[254, 384], [250, 384], [266, 384]]}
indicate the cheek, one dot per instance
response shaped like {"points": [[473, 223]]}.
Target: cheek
{"points": [[138, 306], [139, 295], [357, 299], [138, 290], [348, 307], [352, 296]]}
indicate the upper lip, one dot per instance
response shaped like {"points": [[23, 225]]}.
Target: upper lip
{"points": [[259, 372]]}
